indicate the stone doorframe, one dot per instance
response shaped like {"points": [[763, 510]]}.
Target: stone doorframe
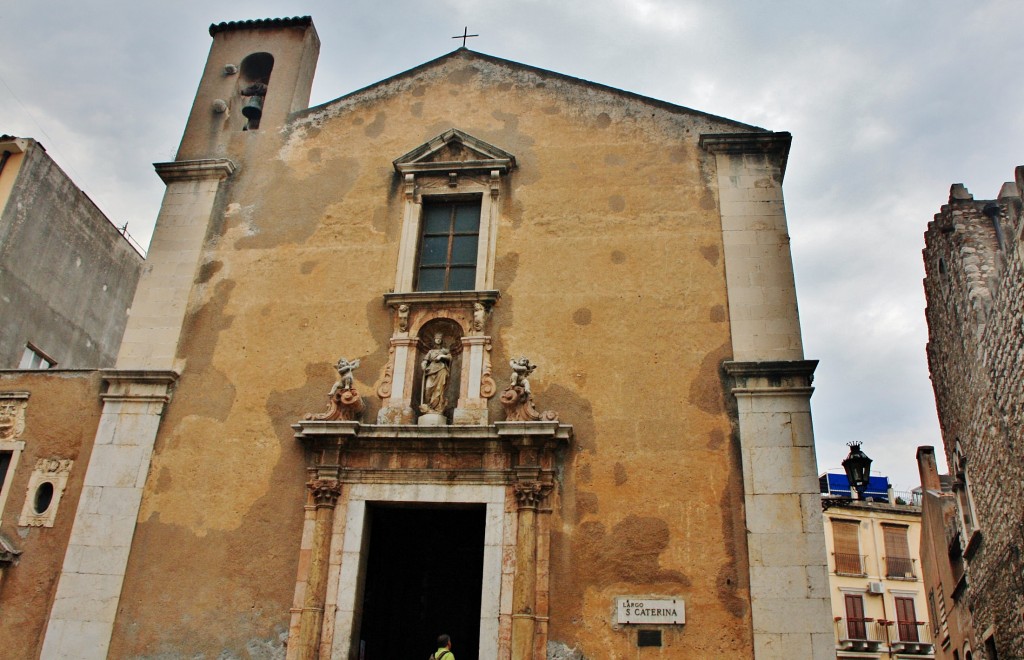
{"points": [[510, 467]]}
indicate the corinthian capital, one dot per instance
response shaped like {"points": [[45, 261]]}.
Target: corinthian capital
{"points": [[530, 494], [325, 491]]}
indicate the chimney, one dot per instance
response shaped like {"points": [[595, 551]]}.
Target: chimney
{"points": [[927, 468]]}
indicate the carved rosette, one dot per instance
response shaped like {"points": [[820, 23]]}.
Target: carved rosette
{"points": [[519, 407], [531, 494], [325, 492], [345, 405]]}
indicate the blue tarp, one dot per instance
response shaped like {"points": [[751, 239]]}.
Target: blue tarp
{"points": [[837, 485]]}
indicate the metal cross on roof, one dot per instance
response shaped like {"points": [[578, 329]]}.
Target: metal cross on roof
{"points": [[465, 35]]}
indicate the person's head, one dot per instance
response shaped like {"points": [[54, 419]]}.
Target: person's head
{"points": [[444, 641]]}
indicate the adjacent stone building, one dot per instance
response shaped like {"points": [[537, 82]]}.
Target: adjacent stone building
{"points": [[67, 275], [974, 264], [570, 418]]}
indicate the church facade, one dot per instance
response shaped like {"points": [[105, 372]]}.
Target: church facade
{"points": [[480, 349]]}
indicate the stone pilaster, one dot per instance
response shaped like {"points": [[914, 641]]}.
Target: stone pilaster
{"points": [[530, 493], [790, 606], [477, 385], [758, 265], [789, 597], [534, 482], [158, 311], [396, 388], [82, 617], [324, 494]]}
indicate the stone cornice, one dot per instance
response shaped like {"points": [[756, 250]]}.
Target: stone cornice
{"points": [[442, 298], [771, 376], [139, 375], [195, 170], [740, 143], [747, 143], [308, 430], [138, 385], [771, 368], [15, 395]]}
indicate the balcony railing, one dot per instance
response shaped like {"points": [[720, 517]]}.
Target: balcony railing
{"points": [[847, 564], [873, 636], [859, 634], [911, 638], [900, 568], [906, 497]]}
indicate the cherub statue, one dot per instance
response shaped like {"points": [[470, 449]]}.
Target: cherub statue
{"points": [[345, 369], [403, 317], [521, 370]]}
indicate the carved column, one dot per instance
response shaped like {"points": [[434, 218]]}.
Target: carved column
{"points": [[396, 387], [524, 593], [325, 493], [477, 384]]}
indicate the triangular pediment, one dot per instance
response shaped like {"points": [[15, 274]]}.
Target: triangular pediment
{"points": [[455, 151], [502, 71]]}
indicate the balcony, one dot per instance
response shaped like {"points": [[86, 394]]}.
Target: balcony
{"points": [[911, 638], [847, 564], [868, 635], [859, 634], [900, 568]]}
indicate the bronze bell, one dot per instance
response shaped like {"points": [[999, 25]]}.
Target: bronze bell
{"points": [[253, 108]]}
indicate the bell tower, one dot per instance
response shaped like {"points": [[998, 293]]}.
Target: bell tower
{"points": [[258, 72]]}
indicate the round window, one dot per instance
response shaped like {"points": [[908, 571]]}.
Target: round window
{"points": [[44, 495]]}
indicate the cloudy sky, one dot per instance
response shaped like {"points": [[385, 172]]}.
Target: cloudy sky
{"points": [[889, 102]]}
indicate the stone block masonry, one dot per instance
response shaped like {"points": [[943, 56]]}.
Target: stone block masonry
{"points": [[974, 270]]}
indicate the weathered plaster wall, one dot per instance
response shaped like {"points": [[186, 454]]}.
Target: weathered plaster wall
{"points": [[60, 422], [67, 276], [975, 314], [609, 262]]}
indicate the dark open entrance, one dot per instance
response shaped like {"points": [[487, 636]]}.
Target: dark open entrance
{"points": [[423, 577]]}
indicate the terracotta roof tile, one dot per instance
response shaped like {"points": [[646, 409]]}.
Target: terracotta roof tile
{"points": [[294, 21]]}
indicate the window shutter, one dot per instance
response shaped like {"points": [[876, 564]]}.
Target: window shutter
{"points": [[846, 537], [896, 545]]}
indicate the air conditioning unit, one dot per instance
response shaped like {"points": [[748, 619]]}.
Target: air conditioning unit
{"points": [[876, 588]]}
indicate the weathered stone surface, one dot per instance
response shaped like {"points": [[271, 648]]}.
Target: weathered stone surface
{"points": [[61, 418], [974, 264], [260, 279]]}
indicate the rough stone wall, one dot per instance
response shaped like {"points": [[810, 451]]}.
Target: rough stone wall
{"points": [[609, 262], [60, 422], [67, 276], [976, 332]]}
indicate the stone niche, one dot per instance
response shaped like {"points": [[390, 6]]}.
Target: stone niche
{"points": [[460, 318], [436, 383]]}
